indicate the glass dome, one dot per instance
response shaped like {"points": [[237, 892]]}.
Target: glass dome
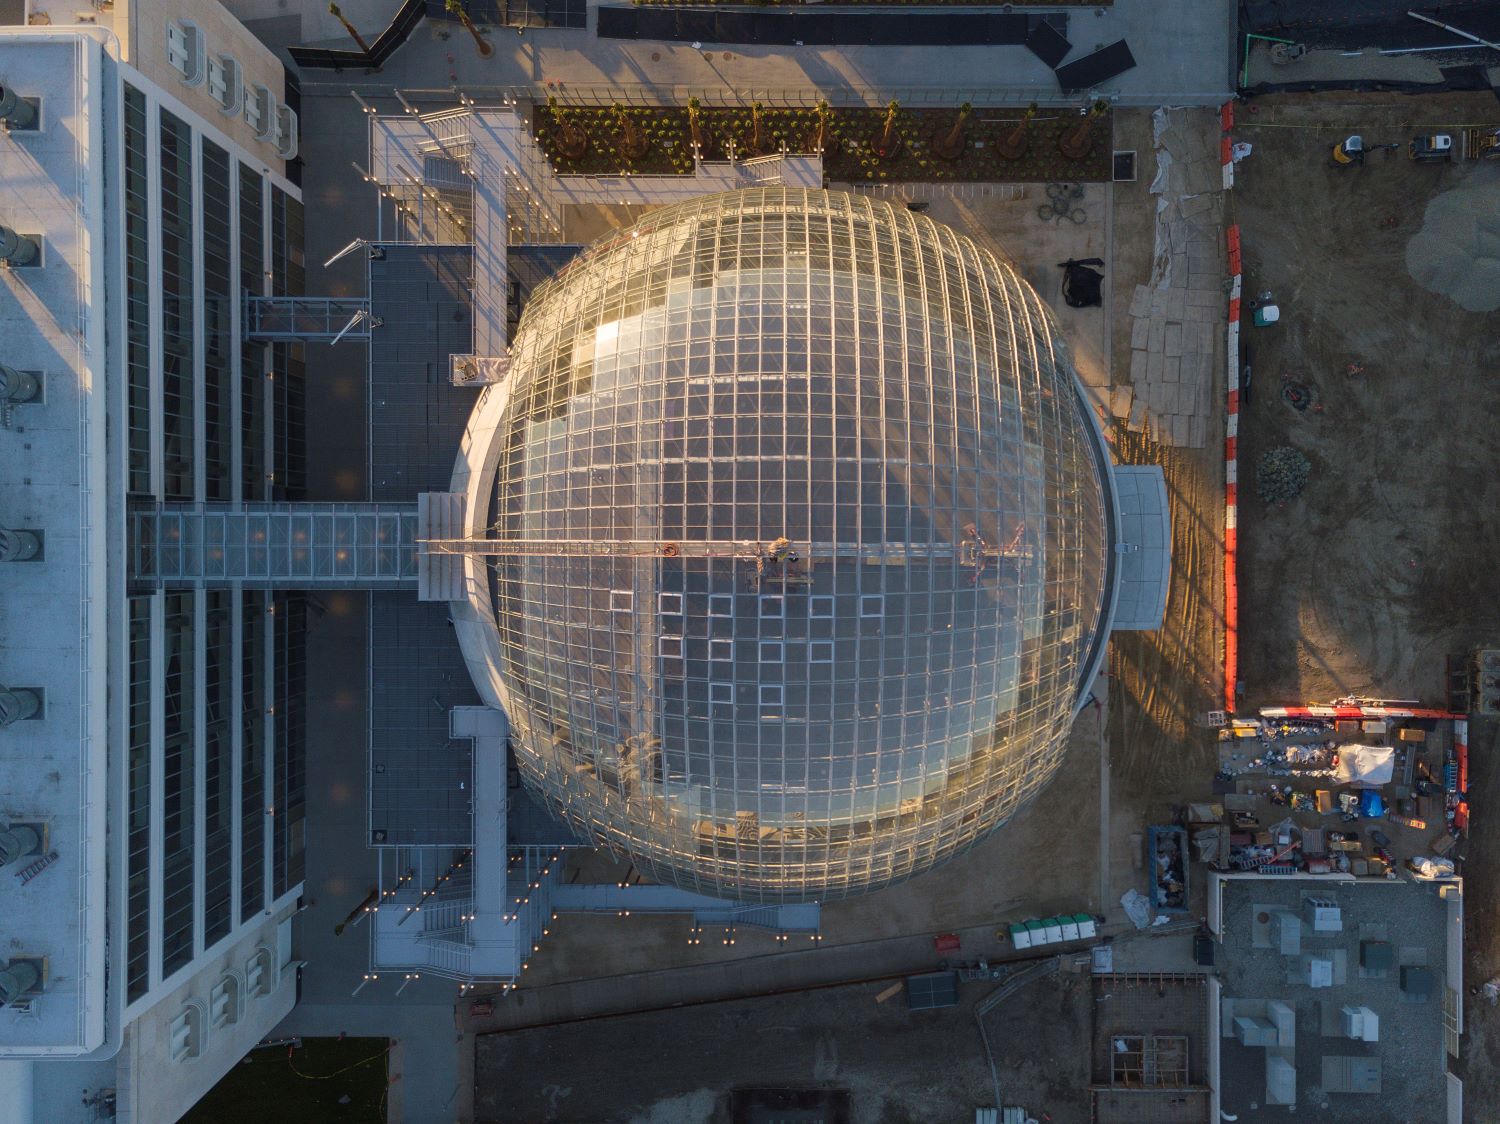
{"points": [[824, 715]]}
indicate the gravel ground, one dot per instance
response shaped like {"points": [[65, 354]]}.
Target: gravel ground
{"points": [[1457, 251]]}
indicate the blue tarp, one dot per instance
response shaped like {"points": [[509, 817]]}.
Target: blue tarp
{"points": [[1370, 804]]}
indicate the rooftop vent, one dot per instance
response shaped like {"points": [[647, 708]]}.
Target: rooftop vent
{"points": [[19, 546], [18, 386], [19, 981], [17, 704], [18, 841], [16, 112], [18, 249]]}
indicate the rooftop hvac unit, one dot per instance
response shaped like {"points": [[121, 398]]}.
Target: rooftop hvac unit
{"points": [[1416, 981], [1281, 1080], [1288, 933], [1284, 1016], [1317, 971], [1360, 1023], [1323, 915], [1351, 1075], [1254, 1031]]}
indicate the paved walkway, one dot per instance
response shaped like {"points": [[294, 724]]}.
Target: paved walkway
{"points": [[1183, 50], [792, 968], [1177, 333]]}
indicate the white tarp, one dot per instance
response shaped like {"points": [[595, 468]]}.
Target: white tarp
{"points": [[1366, 766]]}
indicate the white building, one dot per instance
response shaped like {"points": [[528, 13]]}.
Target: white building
{"points": [[155, 797]]}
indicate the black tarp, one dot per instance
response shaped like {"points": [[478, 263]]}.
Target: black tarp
{"points": [[621, 23], [1047, 44], [1092, 69], [1082, 287]]}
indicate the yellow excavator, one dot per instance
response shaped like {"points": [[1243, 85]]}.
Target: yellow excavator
{"points": [[1352, 150]]}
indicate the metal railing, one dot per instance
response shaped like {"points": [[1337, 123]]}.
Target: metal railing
{"points": [[444, 915], [307, 319], [449, 958], [274, 546], [835, 93]]}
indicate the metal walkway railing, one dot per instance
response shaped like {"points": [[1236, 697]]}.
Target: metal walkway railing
{"points": [[307, 319], [275, 546]]}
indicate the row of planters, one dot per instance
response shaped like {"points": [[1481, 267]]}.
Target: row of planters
{"points": [[894, 143]]}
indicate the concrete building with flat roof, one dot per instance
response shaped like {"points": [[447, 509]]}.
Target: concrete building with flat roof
{"points": [[151, 761], [1337, 996]]}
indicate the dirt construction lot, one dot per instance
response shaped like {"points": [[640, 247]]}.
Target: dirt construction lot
{"points": [[1381, 569], [1385, 565]]}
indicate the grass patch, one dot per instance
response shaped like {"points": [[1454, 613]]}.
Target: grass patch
{"points": [[302, 1086]]}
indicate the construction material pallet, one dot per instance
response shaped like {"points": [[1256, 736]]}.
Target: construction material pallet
{"points": [[1479, 142]]}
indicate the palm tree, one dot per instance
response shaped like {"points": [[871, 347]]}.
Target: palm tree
{"points": [[951, 145], [757, 134], [333, 10], [572, 141], [456, 8], [633, 144], [890, 140], [826, 142], [1013, 145], [695, 125], [1078, 141]]}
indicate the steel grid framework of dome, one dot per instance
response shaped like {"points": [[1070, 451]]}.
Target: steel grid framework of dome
{"points": [[832, 540]]}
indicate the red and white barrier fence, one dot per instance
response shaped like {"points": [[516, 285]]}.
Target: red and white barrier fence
{"points": [[1358, 710], [1231, 477]]}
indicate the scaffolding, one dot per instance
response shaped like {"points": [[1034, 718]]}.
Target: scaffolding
{"points": [[1149, 1061]]}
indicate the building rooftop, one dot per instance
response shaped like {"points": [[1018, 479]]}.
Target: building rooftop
{"points": [[1370, 947], [52, 473]]}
